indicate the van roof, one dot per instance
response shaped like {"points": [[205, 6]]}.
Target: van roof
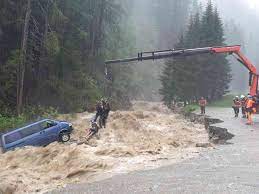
{"points": [[21, 128]]}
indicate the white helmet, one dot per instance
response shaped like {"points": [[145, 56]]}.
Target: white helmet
{"points": [[242, 96]]}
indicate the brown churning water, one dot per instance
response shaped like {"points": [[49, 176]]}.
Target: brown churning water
{"points": [[147, 137]]}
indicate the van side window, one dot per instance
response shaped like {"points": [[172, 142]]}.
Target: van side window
{"points": [[30, 130], [13, 137]]}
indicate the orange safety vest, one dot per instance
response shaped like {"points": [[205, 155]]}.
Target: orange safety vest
{"points": [[250, 104], [203, 102]]}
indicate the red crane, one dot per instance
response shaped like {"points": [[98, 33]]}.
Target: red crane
{"points": [[232, 50]]}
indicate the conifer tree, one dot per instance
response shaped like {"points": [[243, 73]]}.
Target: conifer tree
{"points": [[215, 70], [201, 75]]}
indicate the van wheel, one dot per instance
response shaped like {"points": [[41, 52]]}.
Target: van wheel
{"points": [[64, 137]]}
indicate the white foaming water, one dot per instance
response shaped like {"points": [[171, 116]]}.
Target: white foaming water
{"points": [[147, 137]]}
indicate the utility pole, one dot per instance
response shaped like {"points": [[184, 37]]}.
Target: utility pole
{"points": [[22, 65]]}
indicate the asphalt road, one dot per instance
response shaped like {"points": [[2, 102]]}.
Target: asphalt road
{"points": [[231, 168]]}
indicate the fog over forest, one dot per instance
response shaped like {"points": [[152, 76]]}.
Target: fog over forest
{"points": [[53, 52], [240, 18], [244, 19]]}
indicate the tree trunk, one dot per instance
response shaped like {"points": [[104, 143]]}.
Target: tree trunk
{"points": [[43, 51], [22, 65], [97, 27], [93, 29]]}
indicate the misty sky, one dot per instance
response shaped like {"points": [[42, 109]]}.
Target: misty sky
{"points": [[254, 4]]}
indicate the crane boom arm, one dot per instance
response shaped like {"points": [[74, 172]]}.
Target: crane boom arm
{"points": [[234, 50], [237, 51]]}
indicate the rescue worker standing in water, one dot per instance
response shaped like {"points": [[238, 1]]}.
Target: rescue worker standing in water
{"points": [[99, 113], [106, 110], [250, 108]]}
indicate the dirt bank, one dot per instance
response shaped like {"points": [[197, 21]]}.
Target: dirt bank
{"points": [[146, 137]]}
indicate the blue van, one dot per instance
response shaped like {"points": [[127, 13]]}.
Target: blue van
{"points": [[40, 133]]}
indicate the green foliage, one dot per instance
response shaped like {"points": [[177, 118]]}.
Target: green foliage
{"points": [[30, 114], [191, 108], [35, 112], [224, 102], [8, 80], [56, 16], [11, 122], [187, 79], [66, 47], [168, 90], [52, 44]]}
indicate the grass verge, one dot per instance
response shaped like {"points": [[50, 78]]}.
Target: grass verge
{"points": [[225, 102], [191, 108]]}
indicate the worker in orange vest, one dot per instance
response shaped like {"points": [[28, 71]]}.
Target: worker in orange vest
{"points": [[250, 109], [203, 104]]}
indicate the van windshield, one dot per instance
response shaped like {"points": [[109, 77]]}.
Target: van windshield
{"points": [[47, 124]]}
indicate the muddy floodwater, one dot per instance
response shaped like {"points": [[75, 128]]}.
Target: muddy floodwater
{"points": [[148, 136]]}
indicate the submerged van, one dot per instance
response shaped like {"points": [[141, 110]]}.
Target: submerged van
{"points": [[40, 133]]}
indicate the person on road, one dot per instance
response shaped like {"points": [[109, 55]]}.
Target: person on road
{"points": [[236, 106], [250, 108], [243, 105], [203, 104]]}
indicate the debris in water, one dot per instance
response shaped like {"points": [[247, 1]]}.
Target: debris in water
{"points": [[147, 137]]}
